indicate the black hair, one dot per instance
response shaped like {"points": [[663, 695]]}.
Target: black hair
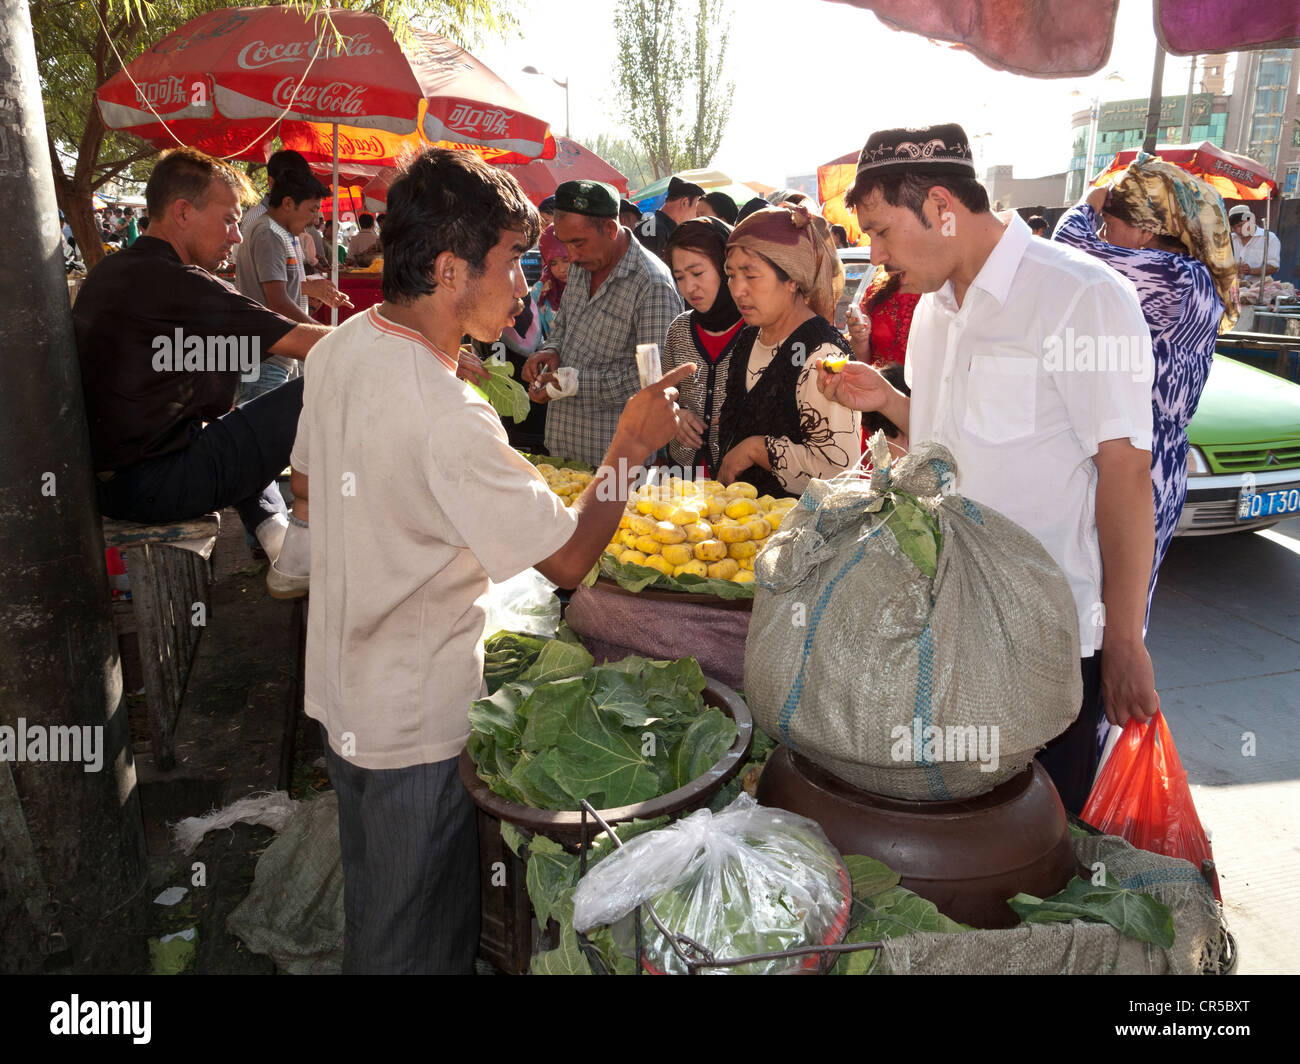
{"points": [[723, 206], [1037, 222], [366, 221], [284, 162], [910, 191], [448, 201], [841, 232], [299, 186]]}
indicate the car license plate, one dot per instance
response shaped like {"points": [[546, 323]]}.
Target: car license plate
{"points": [[1253, 505]]}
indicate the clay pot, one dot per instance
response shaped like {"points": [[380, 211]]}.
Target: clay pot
{"points": [[967, 856]]}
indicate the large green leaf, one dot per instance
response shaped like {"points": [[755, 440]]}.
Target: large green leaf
{"points": [[534, 776], [507, 396], [601, 761], [546, 710], [704, 743], [551, 871], [617, 693], [498, 715], [567, 958], [870, 877], [558, 661], [1130, 912], [916, 531]]}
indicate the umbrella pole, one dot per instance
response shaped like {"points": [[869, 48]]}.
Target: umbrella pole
{"points": [[334, 249]]}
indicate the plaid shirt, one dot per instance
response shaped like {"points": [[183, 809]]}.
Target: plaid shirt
{"points": [[598, 335]]}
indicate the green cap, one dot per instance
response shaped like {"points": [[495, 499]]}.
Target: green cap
{"points": [[593, 198]]}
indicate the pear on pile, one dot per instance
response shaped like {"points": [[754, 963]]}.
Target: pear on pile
{"points": [[698, 527], [566, 483]]}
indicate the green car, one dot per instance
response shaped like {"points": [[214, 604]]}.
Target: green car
{"points": [[1243, 468]]}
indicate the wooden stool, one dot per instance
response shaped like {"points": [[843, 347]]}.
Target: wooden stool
{"points": [[167, 583]]}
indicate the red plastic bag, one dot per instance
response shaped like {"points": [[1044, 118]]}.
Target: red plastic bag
{"points": [[1141, 795]]}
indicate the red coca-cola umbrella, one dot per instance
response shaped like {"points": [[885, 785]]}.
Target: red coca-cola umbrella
{"points": [[337, 90], [229, 81]]}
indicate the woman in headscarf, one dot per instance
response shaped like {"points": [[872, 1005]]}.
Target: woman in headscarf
{"points": [[706, 335], [778, 431], [549, 288], [1167, 232]]}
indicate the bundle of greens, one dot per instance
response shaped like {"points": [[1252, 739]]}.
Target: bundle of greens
{"points": [[506, 655], [563, 730]]}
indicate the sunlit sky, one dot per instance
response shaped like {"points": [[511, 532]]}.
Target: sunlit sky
{"points": [[814, 78]]}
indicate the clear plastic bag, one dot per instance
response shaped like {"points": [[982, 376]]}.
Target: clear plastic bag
{"points": [[525, 603], [744, 881]]}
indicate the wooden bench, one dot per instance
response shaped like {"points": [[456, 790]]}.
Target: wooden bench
{"points": [[168, 582]]}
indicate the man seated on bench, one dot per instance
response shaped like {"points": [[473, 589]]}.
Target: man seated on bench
{"points": [[163, 345]]}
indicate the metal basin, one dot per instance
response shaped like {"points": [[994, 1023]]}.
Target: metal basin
{"points": [[566, 827]]}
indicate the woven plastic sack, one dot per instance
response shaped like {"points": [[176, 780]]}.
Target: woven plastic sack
{"points": [[903, 683], [744, 881], [1141, 794]]}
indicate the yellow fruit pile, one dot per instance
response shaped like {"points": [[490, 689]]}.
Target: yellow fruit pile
{"points": [[697, 527], [566, 483]]}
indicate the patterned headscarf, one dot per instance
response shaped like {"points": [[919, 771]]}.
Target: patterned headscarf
{"points": [[549, 247], [1170, 202], [800, 243]]}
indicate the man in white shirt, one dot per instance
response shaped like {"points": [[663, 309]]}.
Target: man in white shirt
{"points": [[417, 500], [1056, 441], [1258, 252]]}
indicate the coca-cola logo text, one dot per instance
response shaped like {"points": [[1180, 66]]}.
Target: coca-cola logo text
{"points": [[258, 54], [336, 98], [164, 93], [465, 118], [360, 147]]}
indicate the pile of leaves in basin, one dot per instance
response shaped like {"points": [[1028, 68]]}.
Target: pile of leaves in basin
{"points": [[564, 730]]}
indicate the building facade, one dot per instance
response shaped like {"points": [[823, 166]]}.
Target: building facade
{"points": [[1259, 117]]}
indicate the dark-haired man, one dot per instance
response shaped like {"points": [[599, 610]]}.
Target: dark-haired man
{"points": [[269, 267], [680, 204], [163, 345], [629, 214], [1038, 226], [417, 501], [1064, 452], [618, 295], [365, 239]]}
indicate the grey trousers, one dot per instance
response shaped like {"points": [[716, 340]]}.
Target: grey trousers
{"points": [[410, 869]]}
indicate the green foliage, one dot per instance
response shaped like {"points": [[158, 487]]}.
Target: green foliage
{"points": [[1129, 912], [506, 655], [507, 395], [633, 577], [662, 64], [623, 733], [915, 529]]}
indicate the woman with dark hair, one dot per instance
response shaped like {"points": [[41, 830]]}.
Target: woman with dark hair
{"points": [[1167, 232], [778, 431], [549, 288], [878, 332], [706, 335]]}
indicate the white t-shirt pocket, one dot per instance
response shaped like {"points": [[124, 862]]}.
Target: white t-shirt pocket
{"points": [[1001, 396]]}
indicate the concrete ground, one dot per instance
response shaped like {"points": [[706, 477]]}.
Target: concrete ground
{"points": [[1225, 640]]}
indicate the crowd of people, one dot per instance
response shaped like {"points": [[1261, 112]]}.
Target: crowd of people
{"points": [[417, 497]]}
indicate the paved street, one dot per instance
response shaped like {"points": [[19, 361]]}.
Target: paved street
{"points": [[1225, 639]]}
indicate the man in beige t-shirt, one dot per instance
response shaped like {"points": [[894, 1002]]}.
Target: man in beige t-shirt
{"points": [[417, 500]]}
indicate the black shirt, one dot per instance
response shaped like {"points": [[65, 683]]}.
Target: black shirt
{"points": [[653, 232], [161, 346]]}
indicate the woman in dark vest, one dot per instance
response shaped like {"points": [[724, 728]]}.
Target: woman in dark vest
{"points": [[778, 431], [706, 335]]}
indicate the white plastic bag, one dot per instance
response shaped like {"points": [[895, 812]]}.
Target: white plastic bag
{"points": [[525, 603], [744, 881]]}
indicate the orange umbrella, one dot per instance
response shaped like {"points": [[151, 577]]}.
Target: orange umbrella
{"points": [[1234, 177], [833, 178]]}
